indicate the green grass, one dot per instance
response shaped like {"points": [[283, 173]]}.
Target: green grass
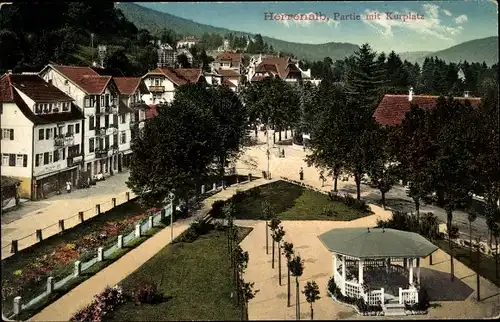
{"points": [[91, 271], [461, 253], [291, 202], [195, 279]]}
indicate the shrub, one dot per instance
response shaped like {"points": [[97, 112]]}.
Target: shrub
{"points": [[102, 305], [188, 236], [216, 210], [147, 293]]}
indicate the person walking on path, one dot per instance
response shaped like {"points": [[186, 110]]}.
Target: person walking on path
{"points": [[68, 186], [322, 179], [301, 174]]}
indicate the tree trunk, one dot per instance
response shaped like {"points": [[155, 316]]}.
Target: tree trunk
{"points": [[289, 286], [383, 199], [496, 257], [312, 312], [272, 263], [297, 291], [335, 179], [357, 179], [279, 135], [279, 264], [267, 238], [449, 218], [478, 258], [470, 240], [222, 173]]}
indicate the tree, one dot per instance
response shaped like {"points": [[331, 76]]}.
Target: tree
{"points": [[273, 226], [183, 61], [278, 235], [311, 291], [268, 214], [240, 264], [288, 252], [296, 266], [248, 294], [228, 211], [173, 153]]}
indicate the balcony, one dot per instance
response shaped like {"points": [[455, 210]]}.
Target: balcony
{"points": [[113, 109], [157, 89], [62, 141], [101, 153], [100, 131], [74, 159]]}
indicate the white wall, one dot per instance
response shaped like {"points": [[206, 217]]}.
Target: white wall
{"points": [[167, 96], [13, 118], [70, 89]]}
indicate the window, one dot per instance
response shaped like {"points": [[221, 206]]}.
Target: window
{"points": [[66, 82], [71, 129], [77, 128], [106, 141], [64, 153], [5, 159], [38, 108], [65, 106], [91, 123], [50, 106], [87, 102], [123, 137], [7, 134], [40, 134], [50, 158], [46, 158], [19, 160], [91, 145], [48, 134], [115, 139], [56, 156], [102, 100], [60, 130], [123, 118], [107, 99], [157, 82], [12, 160], [106, 120]]}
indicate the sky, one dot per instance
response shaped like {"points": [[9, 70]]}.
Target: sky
{"points": [[432, 25]]}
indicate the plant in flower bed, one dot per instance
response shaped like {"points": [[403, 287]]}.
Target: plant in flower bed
{"points": [[147, 293], [102, 306], [55, 256]]}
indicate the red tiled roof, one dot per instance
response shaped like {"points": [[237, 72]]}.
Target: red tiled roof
{"points": [[228, 73], [38, 89], [179, 76], [85, 77], [228, 83], [127, 85], [6, 94], [273, 63], [258, 78], [151, 111], [393, 108], [235, 58]]}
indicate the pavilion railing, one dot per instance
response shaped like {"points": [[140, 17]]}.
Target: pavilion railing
{"points": [[352, 289], [400, 269], [408, 296], [375, 297]]}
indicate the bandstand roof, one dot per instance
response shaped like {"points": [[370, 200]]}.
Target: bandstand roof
{"points": [[376, 243]]}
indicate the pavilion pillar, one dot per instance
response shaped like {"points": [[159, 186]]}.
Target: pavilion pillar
{"points": [[405, 262], [343, 274], [411, 271], [418, 271], [360, 271], [388, 265]]}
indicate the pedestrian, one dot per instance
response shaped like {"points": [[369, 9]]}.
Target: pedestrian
{"points": [[322, 179], [301, 174], [283, 153], [68, 186]]}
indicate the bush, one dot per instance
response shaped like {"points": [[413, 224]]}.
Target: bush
{"points": [[350, 201], [216, 210], [102, 305], [201, 227], [147, 293]]}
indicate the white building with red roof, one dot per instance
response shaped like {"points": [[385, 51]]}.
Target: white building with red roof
{"points": [[188, 42], [97, 95]]}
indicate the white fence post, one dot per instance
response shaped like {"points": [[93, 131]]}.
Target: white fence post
{"points": [[150, 222], [400, 295], [17, 305], [78, 268], [214, 186], [50, 285], [382, 300], [100, 254], [138, 230], [120, 241]]}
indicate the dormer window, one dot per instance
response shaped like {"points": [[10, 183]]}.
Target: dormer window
{"points": [[65, 106], [38, 108]]}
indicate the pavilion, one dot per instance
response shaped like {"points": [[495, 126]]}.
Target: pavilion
{"points": [[378, 264]]}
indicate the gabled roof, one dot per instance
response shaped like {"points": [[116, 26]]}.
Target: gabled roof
{"points": [[84, 77], [228, 73], [234, 58], [276, 64], [151, 112], [127, 85], [374, 243], [37, 88], [178, 76], [258, 78], [393, 108]]}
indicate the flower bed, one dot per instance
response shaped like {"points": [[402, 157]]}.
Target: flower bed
{"points": [[102, 305], [58, 262]]}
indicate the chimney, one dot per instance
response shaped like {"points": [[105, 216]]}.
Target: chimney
{"points": [[410, 94], [466, 94]]}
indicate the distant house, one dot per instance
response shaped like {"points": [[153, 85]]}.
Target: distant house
{"points": [[42, 135], [392, 109], [166, 55], [282, 67], [229, 61], [187, 42], [162, 83]]}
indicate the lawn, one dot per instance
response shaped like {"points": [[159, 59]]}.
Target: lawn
{"points": [[291, 202], [461, 253], [193, 277]]}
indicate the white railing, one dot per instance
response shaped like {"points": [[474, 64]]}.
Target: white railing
{"points": [[339, 281], [352, 289], [375, 297], [409, 296]]}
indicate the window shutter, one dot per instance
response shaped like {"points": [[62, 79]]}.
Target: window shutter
{"points": [[12, 160], [64, 154], [12, 136], [46, 158], [55, 131], [40, 134], [37, 160], [77, 128], [25, 160]]}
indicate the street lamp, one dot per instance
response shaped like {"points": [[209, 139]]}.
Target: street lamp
{"points": [[171, 196]]}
